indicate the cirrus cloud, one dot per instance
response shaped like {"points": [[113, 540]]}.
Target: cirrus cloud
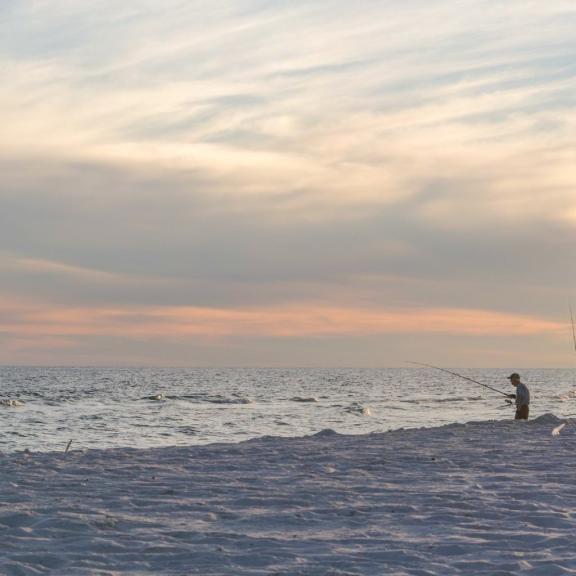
{"points": [[302, 168]]}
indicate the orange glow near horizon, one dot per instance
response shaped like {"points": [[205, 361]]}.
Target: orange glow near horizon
{"points": [[293, 321]]}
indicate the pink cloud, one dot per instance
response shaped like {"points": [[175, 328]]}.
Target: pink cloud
{"points": [[37, 320]]}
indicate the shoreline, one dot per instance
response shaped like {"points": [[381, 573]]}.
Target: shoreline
{"points": [[482, 497], [78, 447]]}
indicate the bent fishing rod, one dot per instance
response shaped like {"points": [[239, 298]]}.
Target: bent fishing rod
{"points": [[573, 329], [460, 376]]}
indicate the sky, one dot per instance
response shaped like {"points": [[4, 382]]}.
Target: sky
{"points": [[274, 183]]}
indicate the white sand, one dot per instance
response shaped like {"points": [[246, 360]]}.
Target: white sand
{"points": [[483, 498]]}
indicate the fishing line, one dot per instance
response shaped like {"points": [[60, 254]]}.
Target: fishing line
{"points": [[460, 376]]}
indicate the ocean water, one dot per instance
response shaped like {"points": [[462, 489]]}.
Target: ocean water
{"points": [[42, 409]]}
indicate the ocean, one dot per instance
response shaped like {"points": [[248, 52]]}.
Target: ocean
{"points": [[43, 409]]}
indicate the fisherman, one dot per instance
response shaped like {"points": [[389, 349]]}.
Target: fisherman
{"points": [[522, 397]]}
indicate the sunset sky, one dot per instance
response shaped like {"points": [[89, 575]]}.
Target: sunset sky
{"points": [[287, 183]]}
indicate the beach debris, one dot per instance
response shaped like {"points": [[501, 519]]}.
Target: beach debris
{"points": [[68, 447], [304, 399], [558, 429]]}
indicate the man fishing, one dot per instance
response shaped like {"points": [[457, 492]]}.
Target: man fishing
{"points": [[522, 397]]}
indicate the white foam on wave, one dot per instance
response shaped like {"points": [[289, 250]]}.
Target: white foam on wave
{"points": [[358, 409], [155, 397], [434, 400], [570, 395], [230, 401], [205, 399], [10, 403]]}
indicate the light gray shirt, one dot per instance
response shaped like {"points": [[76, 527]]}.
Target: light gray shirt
{"points": [[522, 395]]}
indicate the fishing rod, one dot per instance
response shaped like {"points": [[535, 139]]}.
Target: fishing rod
{"points": [[569, 417], [573, 330], [460, 376]]}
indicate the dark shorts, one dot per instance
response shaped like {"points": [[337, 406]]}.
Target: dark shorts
{"points": [[522, 412]]}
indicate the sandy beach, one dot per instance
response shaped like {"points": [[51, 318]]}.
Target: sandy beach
{"points": [[493, 497]]}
